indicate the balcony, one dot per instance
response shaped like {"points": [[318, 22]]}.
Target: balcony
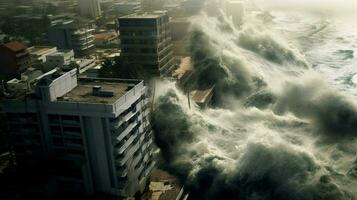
{"points": [[122, 160], [82, 32], [168, 54], [167, 65], [149, 168], [126, 144], [74, 146], [137, 159], [122, 173], [126, 131], [139, 170], [71, 134], [122, 186]]}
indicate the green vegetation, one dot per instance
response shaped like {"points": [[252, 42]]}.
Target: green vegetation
{"points": [[29, 28], [124, 70]]}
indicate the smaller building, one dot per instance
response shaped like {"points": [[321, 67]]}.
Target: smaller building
{"points": [[85, 63], [29, 76], [106, 39], [39, 54], [68, 34], [202, 97], [164, 186], [14, 58], [59, 59]]}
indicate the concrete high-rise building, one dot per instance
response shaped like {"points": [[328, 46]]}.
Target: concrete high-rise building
{"points": [[95, 132], [146, 40], [67, 34], [89, 8]]}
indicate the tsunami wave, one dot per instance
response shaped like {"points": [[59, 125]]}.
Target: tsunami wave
{"points": [[277, 129]]}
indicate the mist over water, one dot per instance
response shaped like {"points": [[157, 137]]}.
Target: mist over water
{"points": [[284, 124]]}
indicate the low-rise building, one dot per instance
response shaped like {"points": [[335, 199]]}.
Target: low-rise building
{"points": [[30, 75], [14, 58], [59, 59], [106, 39], [68, 34], [39, 54], [203, 97], [84, 64]]}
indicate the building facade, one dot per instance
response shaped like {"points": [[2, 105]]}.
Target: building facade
{"points": [[89, 8], [14, 58], [146, 40], [39, 53], [59, 59], [71, 35], [95, 132]]}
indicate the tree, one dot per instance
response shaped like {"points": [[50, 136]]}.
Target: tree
{"points": [[125, 70]]}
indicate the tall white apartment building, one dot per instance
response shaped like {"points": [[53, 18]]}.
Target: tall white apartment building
{"points": [[94, 134], [89, 8]]}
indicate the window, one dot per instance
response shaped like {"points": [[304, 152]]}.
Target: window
{"points": [[58, 142], [52, 117], [76, 152], [72, 129], [74, 141], [70, 118]]}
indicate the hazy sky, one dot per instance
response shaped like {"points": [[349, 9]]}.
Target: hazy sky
{"points": [[335, 6]]}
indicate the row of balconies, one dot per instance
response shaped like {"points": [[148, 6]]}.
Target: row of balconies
{"points": [[125, 156], [132, 127], [124, 144], [166, 62], [126, 115], [165, 58]]}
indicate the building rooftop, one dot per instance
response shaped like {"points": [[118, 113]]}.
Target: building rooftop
{"points": [[41, 50], [84, 91], [15, 46], [63, 52], [201, 96], [164, 186], [105, 36]]}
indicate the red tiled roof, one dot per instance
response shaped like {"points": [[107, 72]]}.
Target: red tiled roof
{"points": [[105, 36], [15, 46]]}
